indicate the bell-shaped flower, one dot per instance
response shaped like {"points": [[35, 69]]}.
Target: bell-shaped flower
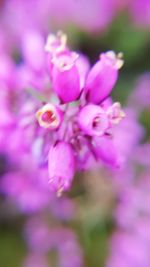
{"points": [[65, 77], [93, 120], [61, 166], [49, 116], [102, 77]]}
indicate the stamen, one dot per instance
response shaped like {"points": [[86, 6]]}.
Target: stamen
{"points": [[48, 116]]}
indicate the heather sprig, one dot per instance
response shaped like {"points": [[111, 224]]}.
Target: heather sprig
{"points": [[62, 116], [81, 113]]}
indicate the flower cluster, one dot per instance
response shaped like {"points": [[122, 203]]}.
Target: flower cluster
{"points": [[58, 113], [80, 116]]}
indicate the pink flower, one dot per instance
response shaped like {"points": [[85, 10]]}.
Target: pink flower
{"points": [[61, 165], [93, 120], [65, 77], [63, 134], [49, 116], [102, 77]]}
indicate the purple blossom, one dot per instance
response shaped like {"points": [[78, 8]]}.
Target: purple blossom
{"points": [[43, 123], [93, 120], [65, 77], [61, 165], [98, 86], [49, 116]]}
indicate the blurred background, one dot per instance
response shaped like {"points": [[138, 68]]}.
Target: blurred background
{"points": [[105, 218]]}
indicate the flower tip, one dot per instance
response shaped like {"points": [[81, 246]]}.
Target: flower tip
{"points": [[119, 60], [115, 59], [56, 43], [65, 62]]}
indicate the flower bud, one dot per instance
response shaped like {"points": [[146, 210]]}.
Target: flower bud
{"points": [[102, 77], [49, 116], [61, 165], [65, 77], [93, 120]]}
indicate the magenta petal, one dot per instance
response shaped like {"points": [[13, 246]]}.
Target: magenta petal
{"points": [[65, 76], [66, 84], [93, 120], [83, 66], [61, 166], [101, 80], [106, 151]]}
